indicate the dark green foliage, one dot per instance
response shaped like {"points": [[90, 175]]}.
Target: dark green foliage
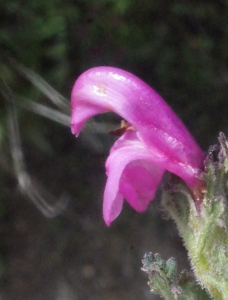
{"points": [[178, 47]]}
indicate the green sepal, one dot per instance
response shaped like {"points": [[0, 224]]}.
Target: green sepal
{"points": [[203, 224], [164, 281]]}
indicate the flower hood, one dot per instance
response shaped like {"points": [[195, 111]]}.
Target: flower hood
{"points": [[156, 139]]}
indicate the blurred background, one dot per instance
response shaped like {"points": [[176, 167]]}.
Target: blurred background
{"points": [[54, 244]]}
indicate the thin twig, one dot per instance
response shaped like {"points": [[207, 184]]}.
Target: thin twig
{"points": [[28, 186]]}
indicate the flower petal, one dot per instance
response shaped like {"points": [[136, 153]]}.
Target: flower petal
{"points": [[131, 175], [139, 182], [104, 89]]}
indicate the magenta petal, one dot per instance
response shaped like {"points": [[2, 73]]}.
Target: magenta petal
{"points": [[110, 89], [156, 139], [85, 112], [139, 182], [131, 175]]}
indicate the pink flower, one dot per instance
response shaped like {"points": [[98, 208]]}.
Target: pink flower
{"points": [[155, 140]]}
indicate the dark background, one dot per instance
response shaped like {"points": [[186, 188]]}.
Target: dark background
{"points": [[179, 48]]}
